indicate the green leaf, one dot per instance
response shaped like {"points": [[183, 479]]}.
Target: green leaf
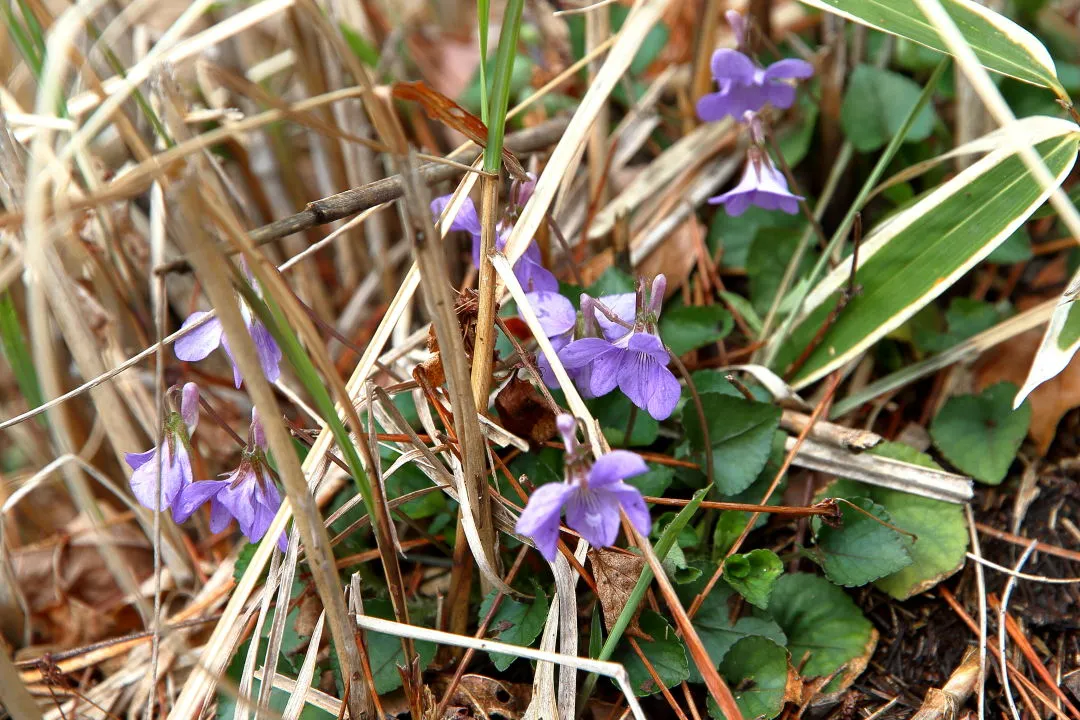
{"points": [[820, 621], [1058, 345], [964, 318], [1015, 249], [916, 254], [666, 653], [14, 349], [613, 411], [753, 575], [741, 434], [655, 481], [768, 260], [719, 635], [980, 434], [736, 233], [1000, 44], [612, 281], [875, 104], [365, 51], [757, 670], [385, 653], [861, 550], [516, 623], [940, 529], [794, 139], [650, 48], [689, 327]]}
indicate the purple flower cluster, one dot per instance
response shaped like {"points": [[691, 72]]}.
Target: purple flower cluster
{"points": [[743, 89], [206, 338], [591, 494], [618, 346], [247, 494]]}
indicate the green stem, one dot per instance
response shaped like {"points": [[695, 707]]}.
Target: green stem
{"points": [[500, 91], [14, 349], [483, 16], [662, 547], [841, 233]]}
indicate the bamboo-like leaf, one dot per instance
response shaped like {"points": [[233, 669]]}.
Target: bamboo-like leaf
{"points": [[1000, 44], [914, 256], [1059, 343]]}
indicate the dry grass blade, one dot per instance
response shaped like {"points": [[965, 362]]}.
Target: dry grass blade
{"points": [[718, 689], [613, 670], [210, 266], [882, 471], [633, 32], [17, 699], [303, 679]]}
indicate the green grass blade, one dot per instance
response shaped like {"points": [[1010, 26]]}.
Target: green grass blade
{"points": [[17, 354], [663, 545], [500, 92], [838, 237], [271, 316], [483, 17]]}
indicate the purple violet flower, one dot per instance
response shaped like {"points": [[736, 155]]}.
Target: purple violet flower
{"points": [[202, 341], [592, 496], [744, 87], [630, 355], [247, 494], [529, 269], [762, 185], [175, 454], [557, 319]]}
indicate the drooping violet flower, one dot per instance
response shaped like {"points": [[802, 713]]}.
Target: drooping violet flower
{"points": [[630, 355], [592, 495], [762, 185], [247, 494], [557, 319], [206, 338], [744, 87], [175, 449], [529, 269]]}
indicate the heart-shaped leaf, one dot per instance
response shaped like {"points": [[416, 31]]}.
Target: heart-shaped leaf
{"points": [[820, 621], [980, 434], [741, 434], [861, 549], [666, 653], [940, 530], [759, 672]]}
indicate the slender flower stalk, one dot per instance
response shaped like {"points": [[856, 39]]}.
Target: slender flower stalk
{"points": [[591, 494]]}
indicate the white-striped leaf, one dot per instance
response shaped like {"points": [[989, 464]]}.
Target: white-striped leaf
{"points": [[1000, 44], [1059, 343], [915, 255]]}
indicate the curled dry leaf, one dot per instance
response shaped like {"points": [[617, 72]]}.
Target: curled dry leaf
{"points": [[616, 573], [442, 109], [524, 412], [481, 696], [1050, 401]]}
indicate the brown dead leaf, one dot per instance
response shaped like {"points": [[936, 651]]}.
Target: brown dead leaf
{"points": [[1010, 361], [616, 573], [482, 696], [524, 412], [70, 592], [442, 109], [677, 256]]}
